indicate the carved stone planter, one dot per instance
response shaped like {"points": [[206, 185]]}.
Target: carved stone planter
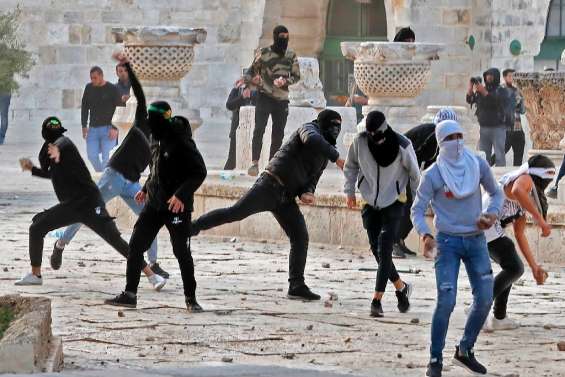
{"points": [[308, 92], [392, 75], [544, 94], [161, 57]]}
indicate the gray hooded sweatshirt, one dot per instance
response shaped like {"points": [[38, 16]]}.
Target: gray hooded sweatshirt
{"points": [[380, 186]]}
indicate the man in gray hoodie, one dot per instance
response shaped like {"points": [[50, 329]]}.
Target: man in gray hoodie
{"points": [[380, 163]]}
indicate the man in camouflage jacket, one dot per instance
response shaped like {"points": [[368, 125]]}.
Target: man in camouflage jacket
{"points": [[278, 67]]}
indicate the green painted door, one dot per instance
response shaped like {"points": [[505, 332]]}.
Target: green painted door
{"points": [[348, 20]]}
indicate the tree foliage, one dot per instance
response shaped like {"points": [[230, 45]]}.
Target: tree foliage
{"points": [[14, 59]]}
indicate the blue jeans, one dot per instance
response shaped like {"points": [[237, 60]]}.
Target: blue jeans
{"points": [[98, 146], [4, 107], [114, 184], [473, 252]]}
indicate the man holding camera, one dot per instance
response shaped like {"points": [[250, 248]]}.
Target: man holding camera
{"points": [[490, 101]]}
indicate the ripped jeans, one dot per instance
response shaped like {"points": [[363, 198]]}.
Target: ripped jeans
{"points": [[473, 251]]}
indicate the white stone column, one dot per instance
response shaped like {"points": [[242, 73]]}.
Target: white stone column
{"points": [[308, 92]]}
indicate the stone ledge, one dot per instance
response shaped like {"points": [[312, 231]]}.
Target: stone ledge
{"points": [[329, 220], [28, 345]]}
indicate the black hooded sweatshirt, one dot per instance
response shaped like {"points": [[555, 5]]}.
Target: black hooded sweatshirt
{"points": [[490, 108], [133, 155], [300, 162], [177, 167], [70, 177]]}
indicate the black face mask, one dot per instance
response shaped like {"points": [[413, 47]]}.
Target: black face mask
{"points": [[52, 129], [280, 45], [158, 125], [331, 133], [541, 185], [383, 146]]}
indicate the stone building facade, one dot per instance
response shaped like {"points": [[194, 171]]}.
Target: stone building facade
{"points": [[67, 37]]}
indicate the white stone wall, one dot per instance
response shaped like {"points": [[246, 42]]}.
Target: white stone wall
{"points": [[67, 37]]}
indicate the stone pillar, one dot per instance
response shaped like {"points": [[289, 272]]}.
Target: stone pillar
{"points": [[392, 75], [545, 110], [161, 56], [308, 92]]}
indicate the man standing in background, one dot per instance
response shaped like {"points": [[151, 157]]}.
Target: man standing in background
{"points": [[99, 101], [123, 85], [278, 67], [5, 97], [515, 137]]}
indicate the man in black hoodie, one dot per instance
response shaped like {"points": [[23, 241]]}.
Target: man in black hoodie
{"points": [[490, 102], [121, 176], [176, 171], [293, 172], [79, 199]]}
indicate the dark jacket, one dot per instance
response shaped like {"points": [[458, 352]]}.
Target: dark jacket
{"points": [[234, 102], [133, 155], [70, 177], [300, 162], [424, 141], [177, 168], [490, 108], [514, 105]]}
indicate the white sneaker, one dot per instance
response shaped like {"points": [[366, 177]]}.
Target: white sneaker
{"points": [[30, 279], [492, 324], [157, 281]]}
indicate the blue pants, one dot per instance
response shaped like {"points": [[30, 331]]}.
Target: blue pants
{"points": [[114, 184], [98, 146], [4, 107], [473, 252]]}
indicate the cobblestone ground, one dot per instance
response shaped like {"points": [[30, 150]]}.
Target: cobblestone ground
{"points": [[242, 286]]}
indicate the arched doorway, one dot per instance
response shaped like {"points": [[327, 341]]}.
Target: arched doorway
{"points": [[348, 20], [554, 41]]}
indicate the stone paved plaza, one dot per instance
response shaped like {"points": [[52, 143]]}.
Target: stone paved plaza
{"points": [[248, 320]]}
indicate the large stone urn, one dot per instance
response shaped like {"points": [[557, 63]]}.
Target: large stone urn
{"points": [[392, 75], [161, 57]]}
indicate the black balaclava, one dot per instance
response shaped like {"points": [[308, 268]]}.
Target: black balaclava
{"points": [[279, 44], [541, 161], [159, 119], [52, 129], [382, 140], [329, 122], [496, 75], [404, 34]]}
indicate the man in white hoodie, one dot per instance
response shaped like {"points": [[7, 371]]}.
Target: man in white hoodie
{"points": [[380, 163]]}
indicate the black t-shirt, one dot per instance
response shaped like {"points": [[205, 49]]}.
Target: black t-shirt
{"points": [[100, 103]]}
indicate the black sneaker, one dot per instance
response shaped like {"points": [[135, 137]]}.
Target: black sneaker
{"points": [[434, 368], [467, 360], [158, 270], [57, 257], [127, 299], [302, 293], [376, 309], [397, 252], [192, 305], [403, 297], [405, 248]]}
